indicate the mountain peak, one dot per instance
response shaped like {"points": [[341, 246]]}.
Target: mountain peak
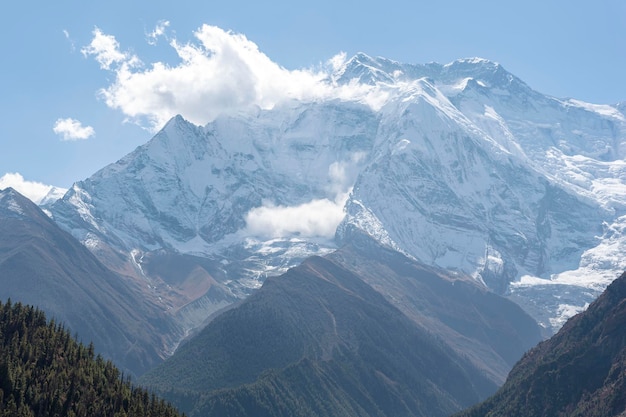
{"points": [[178, 120], [362, 57], [478, 68], [12, 203], [367, 70], [8, 191]]}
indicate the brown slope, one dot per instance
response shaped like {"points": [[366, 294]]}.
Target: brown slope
{"points": [[44, 266], [581, 371]]}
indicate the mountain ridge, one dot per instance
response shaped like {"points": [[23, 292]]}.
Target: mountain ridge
{"points": [[322, 323], [580, 371], [42, 265], [485, 328]]}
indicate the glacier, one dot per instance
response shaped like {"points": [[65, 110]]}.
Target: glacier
{"points": [[461, 166]]}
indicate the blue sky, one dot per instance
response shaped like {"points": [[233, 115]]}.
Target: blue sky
{"points": [[53, 70]]}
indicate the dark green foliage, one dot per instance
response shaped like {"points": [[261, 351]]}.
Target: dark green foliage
{"points": [[44, 372], [581, 371]]}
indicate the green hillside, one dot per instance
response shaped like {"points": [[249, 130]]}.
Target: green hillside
{"points": [[317, 341], [45, 372]]}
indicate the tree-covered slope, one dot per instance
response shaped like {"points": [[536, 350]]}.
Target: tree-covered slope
{"points": [[317, 341], [581, 371], [44, 372]]}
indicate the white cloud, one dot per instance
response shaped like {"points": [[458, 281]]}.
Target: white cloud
{"points": [[342, 175], [106, 51], [218, 72], [35, 191], [158, 31], [71, 129], [317, 218], [338, 61]]}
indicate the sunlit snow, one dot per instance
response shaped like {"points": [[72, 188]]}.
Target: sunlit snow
{"points": [[461, 166]]}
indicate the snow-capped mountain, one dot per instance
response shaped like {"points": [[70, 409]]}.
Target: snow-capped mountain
{"points": [[461, 166], [478, 172], [255, 194]]}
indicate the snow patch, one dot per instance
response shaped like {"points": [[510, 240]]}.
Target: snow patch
{"points": [[601, 109], [564, 313], [91, 241], [14, 207]]}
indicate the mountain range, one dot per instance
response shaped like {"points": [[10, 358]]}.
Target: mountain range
{"points": [[412, 235], [459, 166], [363, 310]]}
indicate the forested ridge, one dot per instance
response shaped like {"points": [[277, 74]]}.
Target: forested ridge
{"points": [[579, 372], [44, 371]]}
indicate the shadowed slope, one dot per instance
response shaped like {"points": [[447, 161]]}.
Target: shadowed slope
{"points": [[491, 331], [581, 371], [317, 341], [44, 266]]}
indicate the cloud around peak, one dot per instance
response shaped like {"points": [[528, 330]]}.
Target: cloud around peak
{"points": [[218, 72], [35, 191]]}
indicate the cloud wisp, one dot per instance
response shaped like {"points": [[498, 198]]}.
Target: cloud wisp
{"points": [[106, 50], [71, 129], [159, 31], [219, 71], [69, 39]]}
